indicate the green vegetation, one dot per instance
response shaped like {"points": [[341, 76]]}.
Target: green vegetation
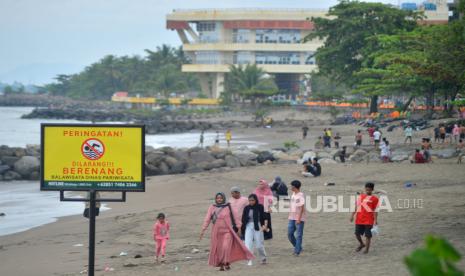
{"points": [[290, 145], [248, 82], [158, 73], [436, 259], [375, 50]]}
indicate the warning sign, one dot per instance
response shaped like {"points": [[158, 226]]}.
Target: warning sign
{"points": [[85, 157], [93, 149]]}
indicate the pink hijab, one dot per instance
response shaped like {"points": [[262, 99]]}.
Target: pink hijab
{"points": [[263, 190]]}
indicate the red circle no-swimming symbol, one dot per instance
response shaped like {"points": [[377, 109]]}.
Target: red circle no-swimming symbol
{"points": [[93, 149]]}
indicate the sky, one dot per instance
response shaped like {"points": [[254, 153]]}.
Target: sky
{"points": [[42, 38]]}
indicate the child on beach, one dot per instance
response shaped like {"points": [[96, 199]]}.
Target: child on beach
{"points": [[366, 215], [161, 233]]}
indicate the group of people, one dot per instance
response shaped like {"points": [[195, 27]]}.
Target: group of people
{"points": [[241, 225], [443, 132], [227, 137]]}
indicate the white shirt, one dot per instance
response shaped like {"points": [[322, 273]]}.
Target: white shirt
{"points": [[377, 135]]}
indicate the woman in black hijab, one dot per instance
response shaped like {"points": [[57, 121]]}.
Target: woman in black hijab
{"points": [[254, 224]]}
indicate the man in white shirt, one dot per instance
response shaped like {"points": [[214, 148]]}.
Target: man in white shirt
{"points": [[377, 137], [408, 134], [238, 204]]}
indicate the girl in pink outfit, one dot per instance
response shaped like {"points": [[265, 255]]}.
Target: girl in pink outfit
{"points": [[225, 247], [456, 132], [265, 198], [161, 233]]}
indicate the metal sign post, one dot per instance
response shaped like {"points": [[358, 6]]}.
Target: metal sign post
{"points": [[92, 158], [92, 210]]}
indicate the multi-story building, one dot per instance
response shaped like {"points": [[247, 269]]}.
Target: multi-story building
{"points": [[215, 39], [273, 39]]}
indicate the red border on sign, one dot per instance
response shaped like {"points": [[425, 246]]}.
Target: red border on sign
{"points": [[103, 145]]}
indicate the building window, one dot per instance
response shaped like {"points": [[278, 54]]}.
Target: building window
{"points": [[241, 36], [277, 58], [277, 36], [208, 57], [242, 57], [208, 32]]}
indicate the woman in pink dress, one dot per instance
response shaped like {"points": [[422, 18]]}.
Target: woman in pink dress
{"points": [[225, 246], [265, 198]]}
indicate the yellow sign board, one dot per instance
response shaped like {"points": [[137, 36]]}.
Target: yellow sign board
{"points": [[92, 157]]}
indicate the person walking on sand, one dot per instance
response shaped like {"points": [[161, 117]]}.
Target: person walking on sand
{"points": [[228, 137], [217, 138], [371, 130], [377, 137], [456, 132], [296, 218], [225, 245], [265, 198], [161, 234], [366, 215], [408, 131], [201, 138], [254, 224], [358, 138], [304, 132], [386, 152], [238, 204]]}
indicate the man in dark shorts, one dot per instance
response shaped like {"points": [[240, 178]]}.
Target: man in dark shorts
{"points": [[366, 216]]}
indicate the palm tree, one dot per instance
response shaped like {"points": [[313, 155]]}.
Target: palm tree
{"points": [[249, 82]]}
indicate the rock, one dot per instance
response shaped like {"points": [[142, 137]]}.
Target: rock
{"points": [[216, 164], [265, 156], [245, 156], [358, 156], [34, 175], [11, 175], [232, 161], [179, 167], [151, 170], [170, 161], [282, 156], [201, 156], [327, 161], [194, 169], [19, 152], [9, 160], [373, 157], [307, 156], [444, 153], [267, 162], [154, 158], [2, 214], [4, 168], [33, 150], [26, 165], [399, 156], [195, 250], [164, 169], [324, 154], [6, 151], [149, 149]]}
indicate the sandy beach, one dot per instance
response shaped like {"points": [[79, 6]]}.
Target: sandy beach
{"points": [[329, 243]]}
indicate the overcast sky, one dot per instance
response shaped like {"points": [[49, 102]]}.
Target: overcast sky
{"points": [[42, 38]]}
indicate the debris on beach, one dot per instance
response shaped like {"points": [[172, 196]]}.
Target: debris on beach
{"points": [[123, 253], [138, 256], [195, 250], [409, 185], [78, 245], [330, 184]]}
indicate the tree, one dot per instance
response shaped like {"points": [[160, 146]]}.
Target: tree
{"points": [[8, 90], [324, 89], [249, 82], [158, 72], [427, 61], [345, 47]]}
